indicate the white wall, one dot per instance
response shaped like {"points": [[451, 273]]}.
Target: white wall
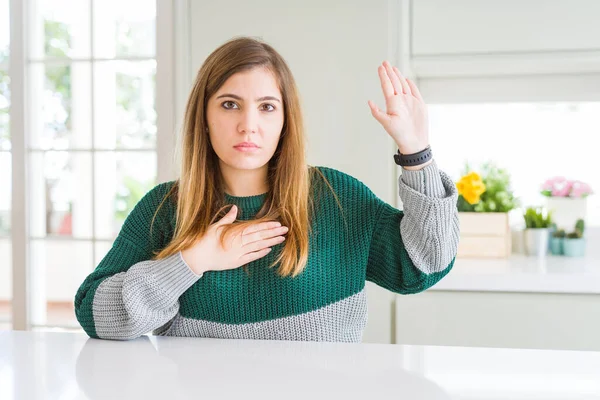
{"points": [[335, 64], [333, 49]]}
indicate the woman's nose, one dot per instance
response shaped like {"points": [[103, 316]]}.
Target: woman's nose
{"points": [[249, 122]]}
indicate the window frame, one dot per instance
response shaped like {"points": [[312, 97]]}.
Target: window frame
{"points": [[23, 310]]}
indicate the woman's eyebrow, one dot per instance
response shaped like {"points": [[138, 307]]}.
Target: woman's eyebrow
{"points": [[235, 96]]}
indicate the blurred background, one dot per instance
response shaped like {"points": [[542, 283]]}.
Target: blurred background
{"points": [[91, 103]]}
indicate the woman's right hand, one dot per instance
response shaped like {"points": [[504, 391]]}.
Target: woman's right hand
{"points": [[253, 243]]}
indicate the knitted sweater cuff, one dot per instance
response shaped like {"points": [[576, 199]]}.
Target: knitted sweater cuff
{"points": [[430, 227], [132, 303], [427, 181]]}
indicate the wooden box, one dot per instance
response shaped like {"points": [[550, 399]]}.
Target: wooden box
{"points": [[484, 235]]}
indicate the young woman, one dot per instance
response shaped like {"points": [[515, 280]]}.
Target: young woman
{"points": [[307, 237]]}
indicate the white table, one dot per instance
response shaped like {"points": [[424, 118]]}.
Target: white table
{"points": [[48, 365]]}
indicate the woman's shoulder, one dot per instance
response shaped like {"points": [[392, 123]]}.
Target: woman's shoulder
{"points": [[154, 199], [160, 190], [342, 191], [345, 186], [339, 180]]}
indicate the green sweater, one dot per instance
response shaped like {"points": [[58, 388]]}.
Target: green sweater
{"points": [[129, 295]]}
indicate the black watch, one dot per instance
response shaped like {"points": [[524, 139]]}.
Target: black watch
{"points": [[411, 160]]}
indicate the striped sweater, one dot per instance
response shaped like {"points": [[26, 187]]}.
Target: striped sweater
{"points": [[129, 294]]}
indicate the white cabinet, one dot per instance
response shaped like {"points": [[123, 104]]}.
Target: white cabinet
{"points": [[499, 319], [519, 302], [455, 27], [511, 50]]}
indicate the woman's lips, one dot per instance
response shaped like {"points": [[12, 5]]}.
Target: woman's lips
{"points": [[246, 148]]}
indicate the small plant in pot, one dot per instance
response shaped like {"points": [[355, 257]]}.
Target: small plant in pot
{"points": [[538, 224], [484, 202], [574, 242], [556, 242]]}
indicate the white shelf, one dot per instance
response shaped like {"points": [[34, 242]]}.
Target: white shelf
{"points": [[519, 273]]}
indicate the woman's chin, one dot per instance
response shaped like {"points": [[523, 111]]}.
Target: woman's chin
{"points": [[246, 165]]}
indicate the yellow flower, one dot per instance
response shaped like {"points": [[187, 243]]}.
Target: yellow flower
{"points": [[471, 187]]}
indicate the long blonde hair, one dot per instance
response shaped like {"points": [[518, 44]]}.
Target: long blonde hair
{"points": [[199, 190]]}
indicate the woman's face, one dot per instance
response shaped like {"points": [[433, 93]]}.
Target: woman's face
{"points": [[245, 118]]}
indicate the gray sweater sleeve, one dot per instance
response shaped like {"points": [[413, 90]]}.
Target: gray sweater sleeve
{"points": [[430, 227], [143, 298]]}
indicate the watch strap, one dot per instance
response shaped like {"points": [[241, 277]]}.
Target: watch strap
{"points": [[411, 160]]}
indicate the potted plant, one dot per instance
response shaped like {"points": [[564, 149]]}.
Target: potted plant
{"points": [[537, 230], [556, 242], [574, 242], [485, 198], [566, 199]]}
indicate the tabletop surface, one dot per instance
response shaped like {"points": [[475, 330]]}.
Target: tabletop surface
{"points": [[55, 365]]}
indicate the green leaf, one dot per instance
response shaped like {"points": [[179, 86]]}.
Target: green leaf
{"points": [[498, 196], [464, 205], [537, 217]]}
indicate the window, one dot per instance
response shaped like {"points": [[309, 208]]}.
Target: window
{"points": [[533, 141], [5, 171], [91, 153]]}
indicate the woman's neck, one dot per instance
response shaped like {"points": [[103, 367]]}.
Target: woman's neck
{"points": [[244, 183]]}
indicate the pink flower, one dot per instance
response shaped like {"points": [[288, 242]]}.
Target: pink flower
{"points": [[552, 183], [561, 191], [580, 189], [559, 186]]}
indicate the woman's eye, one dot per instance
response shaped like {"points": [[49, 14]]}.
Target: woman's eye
{"points": [[229, 105], [269, 107]]}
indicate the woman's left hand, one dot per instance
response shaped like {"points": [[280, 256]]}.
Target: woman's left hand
{"points": [[405, 118]]}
